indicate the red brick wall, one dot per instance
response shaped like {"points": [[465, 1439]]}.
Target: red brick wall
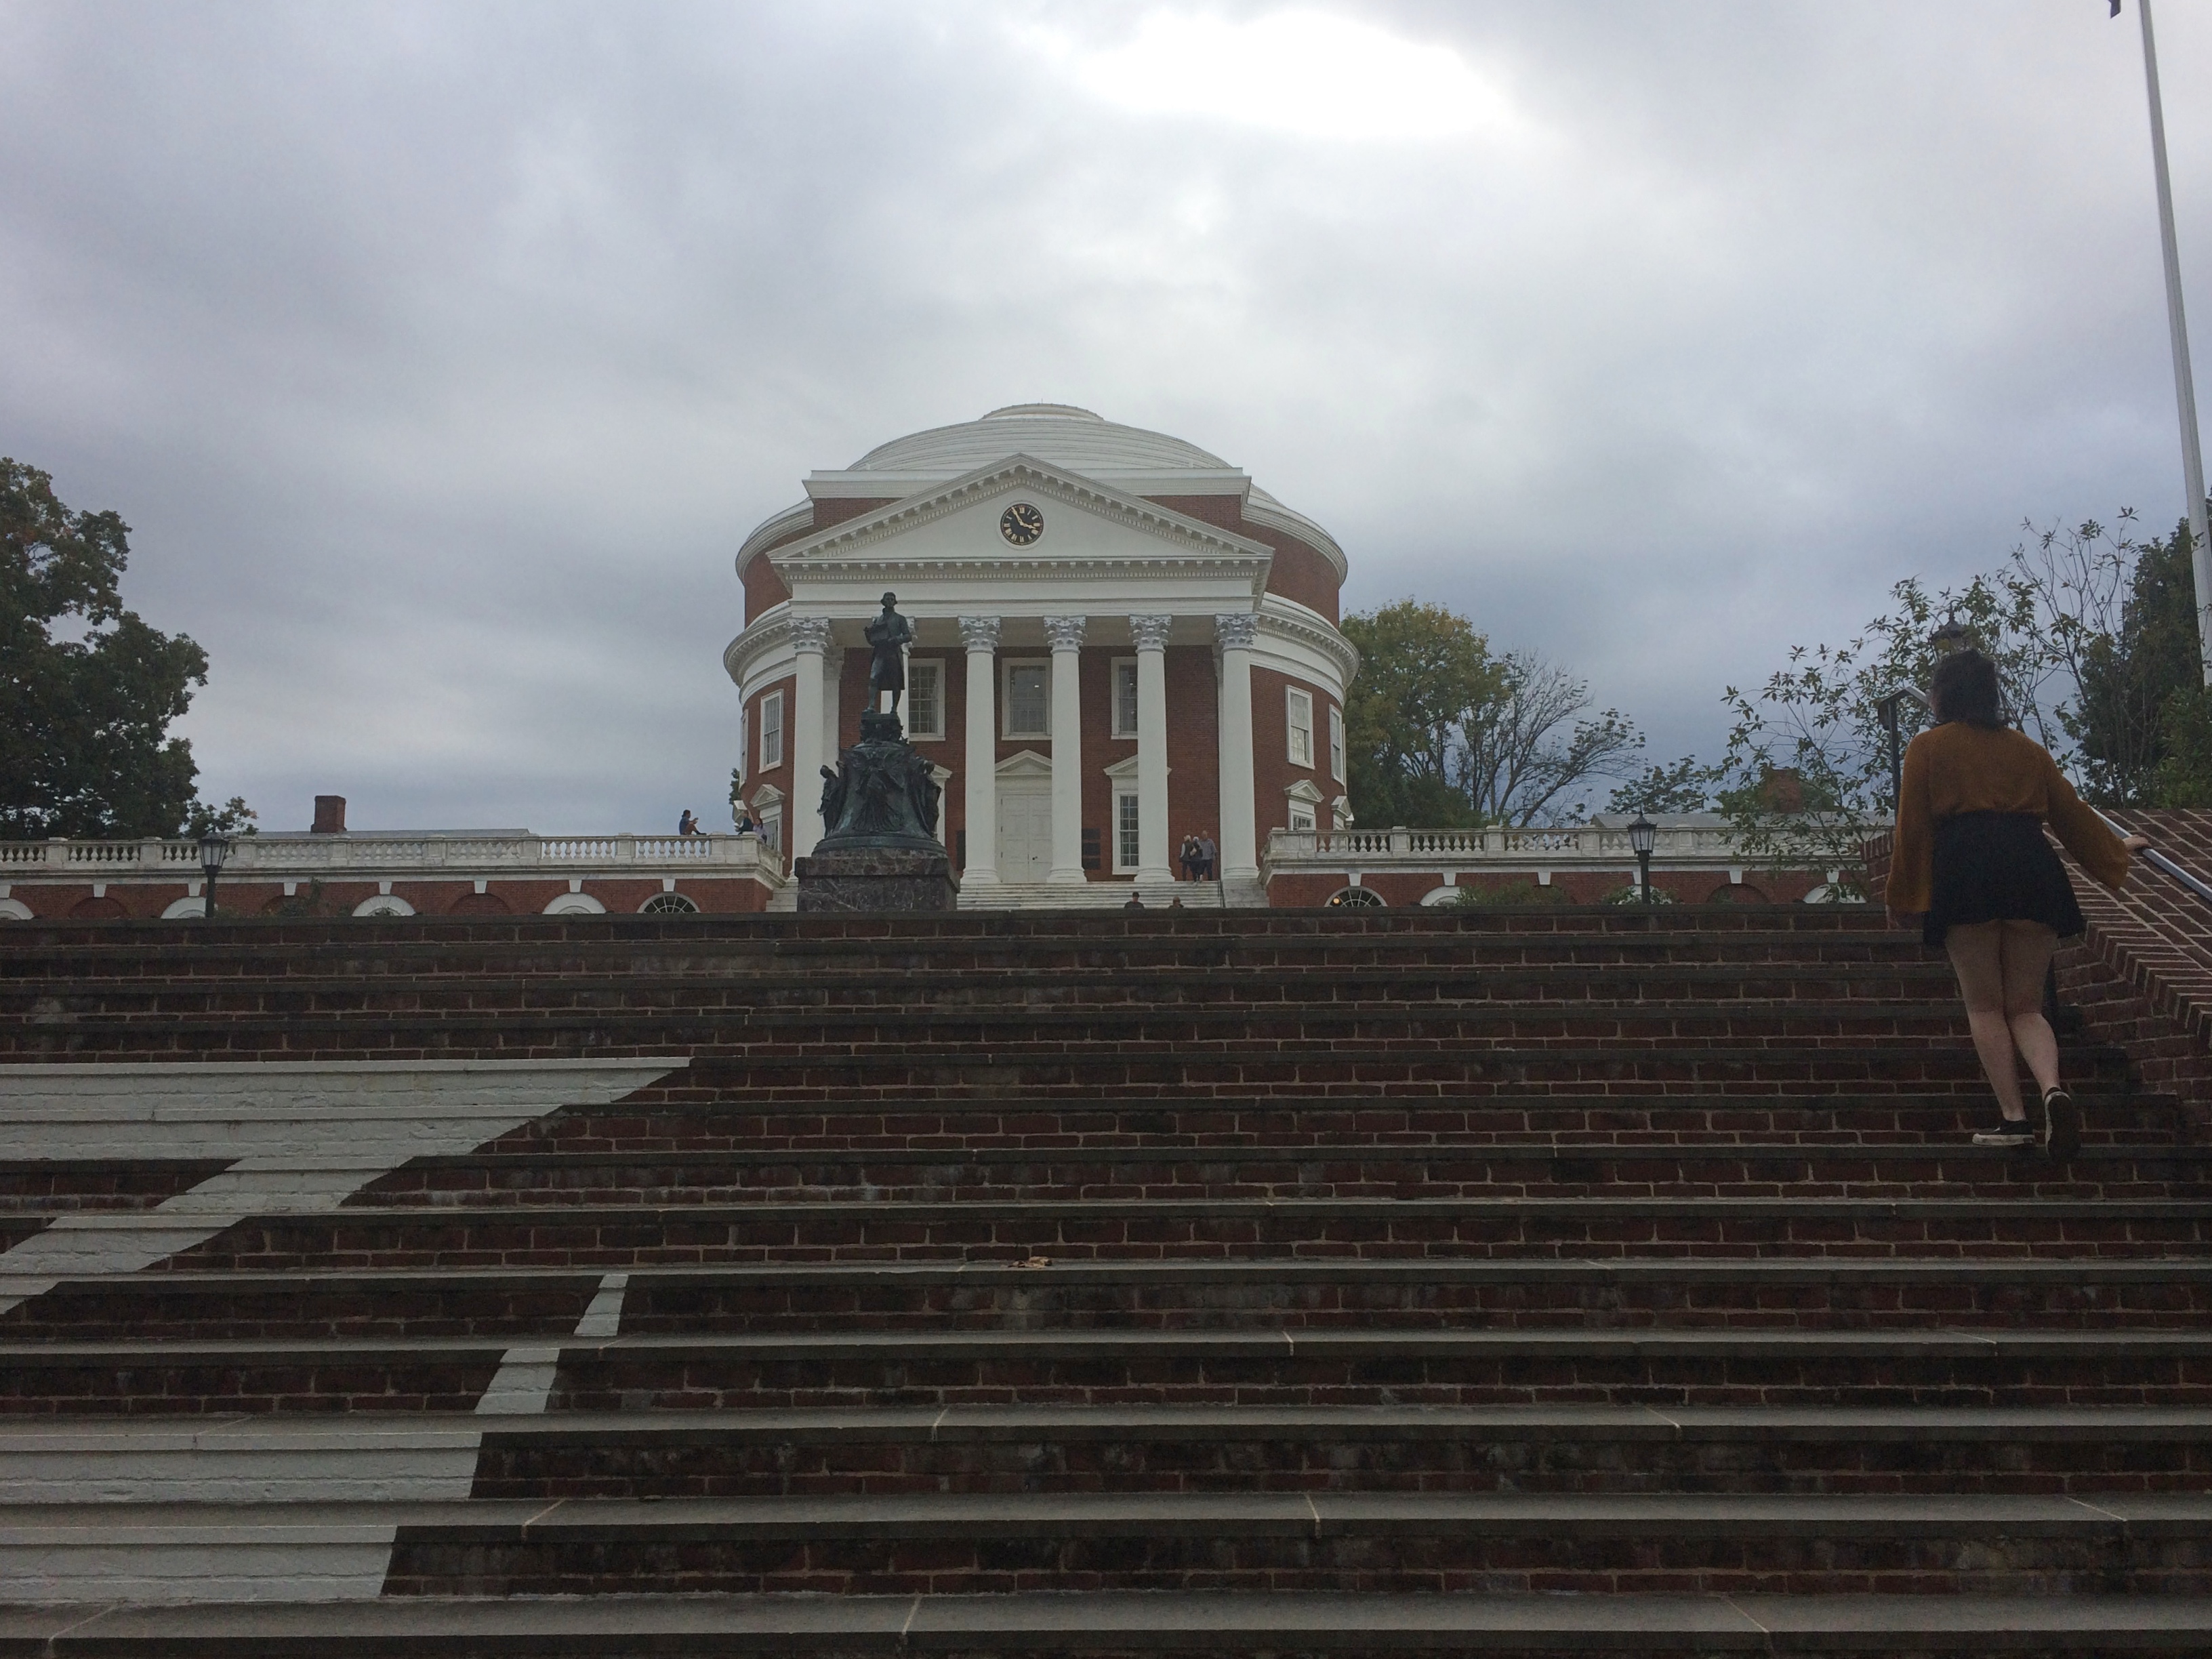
{"points": [[780, 776], [764, 589], [1573, 887], [1194, 746], [244, 897], [1298, 572], [1272, 770]]}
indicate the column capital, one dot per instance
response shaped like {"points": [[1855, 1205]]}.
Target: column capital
{"points": [[979, 633], [1150, 633], [1236, 630], [1065, 633], [809, 633]]}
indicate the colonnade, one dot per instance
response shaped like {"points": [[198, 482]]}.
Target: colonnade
{"points": [[815, 726]]}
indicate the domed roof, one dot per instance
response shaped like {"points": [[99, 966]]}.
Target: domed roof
{"points": [[1059, 433]]}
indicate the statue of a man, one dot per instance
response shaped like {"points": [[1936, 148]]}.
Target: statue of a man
{"points": [[888, 637]]}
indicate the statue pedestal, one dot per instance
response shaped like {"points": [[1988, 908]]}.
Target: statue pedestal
{"points": [[881, 851], [876, 878]]}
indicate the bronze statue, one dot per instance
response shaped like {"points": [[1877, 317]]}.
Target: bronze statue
{"points": [[888, 637]]}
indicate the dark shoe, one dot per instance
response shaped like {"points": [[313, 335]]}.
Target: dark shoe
{"points": [[2022, 1134], [2062, 1124]]}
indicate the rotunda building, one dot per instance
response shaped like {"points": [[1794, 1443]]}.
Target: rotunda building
{"points": [[1120, 641]]}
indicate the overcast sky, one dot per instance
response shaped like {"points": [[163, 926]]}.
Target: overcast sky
{"points": [[440, 355]]}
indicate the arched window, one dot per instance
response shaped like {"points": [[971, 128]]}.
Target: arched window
{"points": [[575, 904], [1356, 898], [668, 904], [384, 904]]}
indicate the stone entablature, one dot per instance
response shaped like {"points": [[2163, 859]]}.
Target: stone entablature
{"points": [[460, 872]]}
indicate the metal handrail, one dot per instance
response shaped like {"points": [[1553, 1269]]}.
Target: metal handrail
{"points": [[2160, 862]]}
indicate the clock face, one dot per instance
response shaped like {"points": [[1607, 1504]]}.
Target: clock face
{"points": [[1021, 524]]}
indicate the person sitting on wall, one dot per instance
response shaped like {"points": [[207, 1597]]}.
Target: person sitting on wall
{"points": [[687, 826], [745, 824]]}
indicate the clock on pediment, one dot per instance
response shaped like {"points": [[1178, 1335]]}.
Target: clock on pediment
{"points": [[1021, 524]]}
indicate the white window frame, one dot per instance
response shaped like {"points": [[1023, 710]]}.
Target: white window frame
{"points": [[1303, 817], [772, 699], [769, 821], [1292, 696], [1127, 829], [916, 668], [1115, 728], [1006, 726], [1336, 742]]}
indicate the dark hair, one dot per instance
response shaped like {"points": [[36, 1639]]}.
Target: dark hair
{"points": [[1964, 688]]}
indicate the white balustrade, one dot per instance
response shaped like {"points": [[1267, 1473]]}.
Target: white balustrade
{"points": [[394, 855]]}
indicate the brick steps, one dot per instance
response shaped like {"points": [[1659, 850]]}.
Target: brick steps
{"points": [[1598, 1449], [616, 1236], [972, 1174], [524, 1305], [1124, 1625], [955, 1544], [1983, 1367]]}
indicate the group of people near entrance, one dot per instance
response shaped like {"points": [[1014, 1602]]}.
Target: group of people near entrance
{"points": [[1969, 865], [1199, 858]]}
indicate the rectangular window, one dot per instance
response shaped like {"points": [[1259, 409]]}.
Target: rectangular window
{"points": [[1301, 817], [771, 827], [1125, 697], [925, 700], [1127, 849], [1336, 743], [1028, 700], [771, 736], [1301, 727]]}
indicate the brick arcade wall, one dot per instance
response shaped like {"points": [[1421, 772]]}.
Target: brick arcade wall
{"points": [[522, 897], [1398, 888]]}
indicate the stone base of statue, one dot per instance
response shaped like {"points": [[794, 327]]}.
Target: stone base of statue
{"points": [[876, 878], [879, 810]]}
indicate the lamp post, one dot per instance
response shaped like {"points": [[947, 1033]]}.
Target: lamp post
{"points": [[1643, 836], [214, 847]]}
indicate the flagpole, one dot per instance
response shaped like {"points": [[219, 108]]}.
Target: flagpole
{"points": [[2185, 386]]}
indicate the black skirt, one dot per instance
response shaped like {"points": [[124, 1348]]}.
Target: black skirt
{"points": [[1996, 866]]}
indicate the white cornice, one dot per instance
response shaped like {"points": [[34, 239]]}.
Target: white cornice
{"points": [[1288, 619], [797, 517], [858, 550], [1261, 508], [769, 631]]}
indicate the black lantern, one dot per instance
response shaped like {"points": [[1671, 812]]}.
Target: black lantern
{"points": [[1643, 836], [214, 847]]}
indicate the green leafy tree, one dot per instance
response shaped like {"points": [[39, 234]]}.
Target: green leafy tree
{"points": [[1443, 733], [1686, 785], [1423, 671], [87, 690], [2121, 615]]}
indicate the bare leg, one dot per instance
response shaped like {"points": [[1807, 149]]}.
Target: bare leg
{"points": [[1977, 954], [2026, 950]]}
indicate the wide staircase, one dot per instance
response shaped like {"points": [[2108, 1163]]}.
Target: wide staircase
{"points": [[1377, 1282]]}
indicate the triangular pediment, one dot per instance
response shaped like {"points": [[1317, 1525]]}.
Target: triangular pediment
{"points": [[1073, 521]]}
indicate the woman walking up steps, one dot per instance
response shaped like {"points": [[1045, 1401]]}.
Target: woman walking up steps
{"points": [[1971, 861]]}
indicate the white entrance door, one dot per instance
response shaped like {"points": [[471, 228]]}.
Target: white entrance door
{"points": [[1024, 830]]}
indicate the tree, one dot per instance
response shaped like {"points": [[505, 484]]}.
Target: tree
{"points": [[2122, 620], [1685, 786], [1422, 671], [1445, 734], [87, 690]]}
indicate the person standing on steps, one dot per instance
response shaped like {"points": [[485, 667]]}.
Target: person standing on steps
{"points": [[1970, 860]]}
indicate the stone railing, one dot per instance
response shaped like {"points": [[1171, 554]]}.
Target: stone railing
{"points": [[389, 856], [1586, 846]]}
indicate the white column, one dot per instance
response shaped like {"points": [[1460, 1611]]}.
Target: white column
{"points": [[1239, 833], [981, 635], [810, 636], [833, 673], [1066, 634], [1150, 634]]}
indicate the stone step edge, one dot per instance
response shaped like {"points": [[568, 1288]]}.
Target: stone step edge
{"points": [[1121, 1622]]}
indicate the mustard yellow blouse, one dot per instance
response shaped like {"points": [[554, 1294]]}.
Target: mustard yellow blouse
{"points": [[1956, 768]]}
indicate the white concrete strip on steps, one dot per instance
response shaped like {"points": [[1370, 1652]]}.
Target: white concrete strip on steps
{"points": [[303, 1135], [242, 1459], [524, 1381]]}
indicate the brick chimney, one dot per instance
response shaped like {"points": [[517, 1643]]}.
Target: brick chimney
{"points": [[330, 815]]}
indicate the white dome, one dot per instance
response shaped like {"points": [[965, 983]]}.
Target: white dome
{"points": [[1059, 433]]}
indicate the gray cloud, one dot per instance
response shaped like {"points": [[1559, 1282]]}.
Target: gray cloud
{"points": [[441, 357]]}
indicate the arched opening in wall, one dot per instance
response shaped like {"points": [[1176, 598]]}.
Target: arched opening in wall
{"points": [[479, 904], [575, 904], [97, 909], [13, 910], [179, 909], [1355, 899], [1736, 892], [384, 904], [668, 904]]}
